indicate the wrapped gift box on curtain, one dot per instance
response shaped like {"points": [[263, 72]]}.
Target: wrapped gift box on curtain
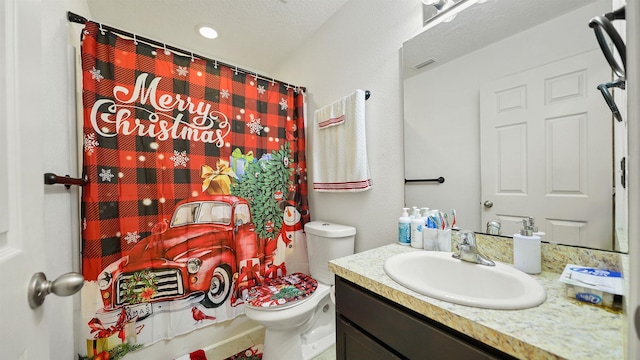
{"points": [[248, 276], [107, 338], [218, 180], [240, 162]]}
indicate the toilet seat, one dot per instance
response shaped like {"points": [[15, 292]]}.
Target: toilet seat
{"points": [[282, 292]]}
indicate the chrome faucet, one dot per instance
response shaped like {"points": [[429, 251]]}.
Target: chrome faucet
{"points": [[468, 250]]}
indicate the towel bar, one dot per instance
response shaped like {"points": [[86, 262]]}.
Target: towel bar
{"points": [[51, 179], [439, 180]]}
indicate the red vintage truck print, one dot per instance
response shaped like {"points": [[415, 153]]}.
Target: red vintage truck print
{"points": [[191, 259]]}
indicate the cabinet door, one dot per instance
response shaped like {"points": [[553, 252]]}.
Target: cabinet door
{"points": [[351, 344], [408, 334]]}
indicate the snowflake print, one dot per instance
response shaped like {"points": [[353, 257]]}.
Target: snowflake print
{"points": [[254, 125], [283, 104], [261, 90], [182, 70], [179, 158], [224, 93], [95, 74], [132, 237], [106, 175], [90, 143]]}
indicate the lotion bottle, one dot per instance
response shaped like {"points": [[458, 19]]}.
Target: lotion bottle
{"points": [[526, 248], [404, 228], [425, 214], [417, 223]]}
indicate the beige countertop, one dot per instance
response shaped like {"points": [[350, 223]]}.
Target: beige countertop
{"points": [[560, 328]]}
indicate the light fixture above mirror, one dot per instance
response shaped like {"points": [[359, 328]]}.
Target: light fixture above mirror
{"points": [[445, 10]]}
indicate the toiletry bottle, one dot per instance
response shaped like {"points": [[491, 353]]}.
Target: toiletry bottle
{"points": [[434, 221], [404, 228], [526, 248], [417, 223], [425, 214]]}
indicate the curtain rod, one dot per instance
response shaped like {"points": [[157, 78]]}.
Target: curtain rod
{"points": [[78, 19]]}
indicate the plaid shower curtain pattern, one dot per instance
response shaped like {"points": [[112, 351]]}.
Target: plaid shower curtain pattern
{"points": [[159, 128]]}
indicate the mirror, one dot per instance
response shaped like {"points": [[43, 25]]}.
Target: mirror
{"points": [[502, 102]]}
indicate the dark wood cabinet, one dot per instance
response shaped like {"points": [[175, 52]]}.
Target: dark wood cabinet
{"points": [[369, 326]]}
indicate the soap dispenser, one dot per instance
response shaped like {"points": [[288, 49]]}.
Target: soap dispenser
{"points": [[417, 223], [526, 248], [404, 228]]}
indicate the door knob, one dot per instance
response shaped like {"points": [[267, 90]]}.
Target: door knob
{"points": [[65, 285], [488, 204]]}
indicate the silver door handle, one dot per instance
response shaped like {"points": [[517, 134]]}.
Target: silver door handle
{"points": [[65, 285], [488, 204]]}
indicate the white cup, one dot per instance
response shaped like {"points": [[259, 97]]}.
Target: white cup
{"points": [[444, 240], [430, 239]]}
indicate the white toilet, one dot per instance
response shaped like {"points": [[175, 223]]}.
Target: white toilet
{"points": [[305, 328]]}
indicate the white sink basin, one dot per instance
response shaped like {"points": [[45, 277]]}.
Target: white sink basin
{"points": [[438, 275]]}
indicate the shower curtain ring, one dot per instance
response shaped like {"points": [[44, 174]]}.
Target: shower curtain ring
{"points": [[135, 41], [166, 51], [192, 58], [101, 29]]}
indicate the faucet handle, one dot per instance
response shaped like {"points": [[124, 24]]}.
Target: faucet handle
{"points": [[467, 237]]}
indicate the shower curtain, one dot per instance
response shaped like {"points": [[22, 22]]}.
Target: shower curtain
{"points": [[196, 190]]}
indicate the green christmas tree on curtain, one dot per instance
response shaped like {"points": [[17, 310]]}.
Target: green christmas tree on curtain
{"points": [[264, 184]]}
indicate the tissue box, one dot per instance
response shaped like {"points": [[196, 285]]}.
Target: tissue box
{"points": [[594, 286]]}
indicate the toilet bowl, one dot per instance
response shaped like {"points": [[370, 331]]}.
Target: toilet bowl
{"points": [[304, 328]]}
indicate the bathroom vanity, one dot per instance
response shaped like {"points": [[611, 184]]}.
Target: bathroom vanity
{"points": [[370, 327], [379, 319]]}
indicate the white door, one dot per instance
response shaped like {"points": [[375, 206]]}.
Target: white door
{"points": [[546, 151], [22, 238]]}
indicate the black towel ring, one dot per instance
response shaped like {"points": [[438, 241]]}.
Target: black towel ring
{"points": [[603, 29]]}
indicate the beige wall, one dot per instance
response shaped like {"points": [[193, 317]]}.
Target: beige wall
{"points": [[359, 48]]}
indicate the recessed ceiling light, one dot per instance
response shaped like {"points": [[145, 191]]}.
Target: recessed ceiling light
{"points": [[207, 31]]}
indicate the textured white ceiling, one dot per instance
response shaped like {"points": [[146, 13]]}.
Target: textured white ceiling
{"points": [[254, 34]]}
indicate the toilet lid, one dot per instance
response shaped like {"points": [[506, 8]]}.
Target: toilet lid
{"points": [[282, 291]]}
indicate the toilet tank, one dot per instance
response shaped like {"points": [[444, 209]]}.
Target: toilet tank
{"points": [[325, 242]]}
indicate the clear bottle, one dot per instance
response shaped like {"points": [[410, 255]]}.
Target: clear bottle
{"points": [[417, 223], [404, 228], [527, 249], [425, 213]]}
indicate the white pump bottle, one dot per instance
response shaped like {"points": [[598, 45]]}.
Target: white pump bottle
{"points": [[527, 249]]}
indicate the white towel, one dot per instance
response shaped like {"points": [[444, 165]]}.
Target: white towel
{"points": [[339, 152]]}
